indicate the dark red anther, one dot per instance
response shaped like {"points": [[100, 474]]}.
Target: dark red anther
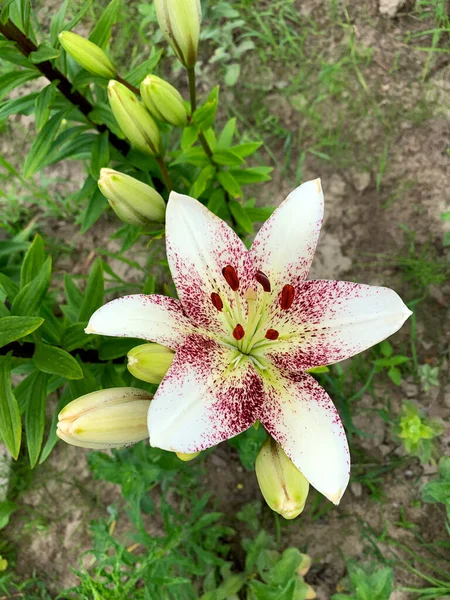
{"points": [[262, 279], [231, 277], [272, 334], [238, 332], [287, 296], [217, 301]]}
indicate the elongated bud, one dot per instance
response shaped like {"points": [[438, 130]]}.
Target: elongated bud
{"points": [[134, 202], [187, 457], [105, 419], [163, 101], [87, 54], [134, 120], [283, 486], [150, 362], [179, 21]]}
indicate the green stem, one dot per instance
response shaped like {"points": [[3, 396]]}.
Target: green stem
{"points": [[130, 86], [165, 173], [192, 90], [193, 98]]}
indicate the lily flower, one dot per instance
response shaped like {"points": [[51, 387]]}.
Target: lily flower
{"points": [[246, 328]]}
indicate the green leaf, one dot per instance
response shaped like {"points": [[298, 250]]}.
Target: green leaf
{"points": [[244, 150], [232, 74], [252, 175], [35, 416], [193, 156], [202, 181], [226, 136], [240, 216], [96, 205], [11, 288], [15, 328], [58, 25], [102, 31], [73, 294], [44, 52], [43, 104], [227, 158], [188, 137], [113, 348], [229, 183], [14, 79], [139, 73], [22, 105], [75, 337], [285, 569], [399, 360], [41, 145], [93, 296], [66, 397], [10, 422], [28, 300], [33, 261], [204, 116], [395, 375], [100, 154], [386, 348], [56, 361], [6, 510]]}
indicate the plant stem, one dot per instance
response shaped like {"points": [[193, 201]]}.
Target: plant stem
{"points": [[192, 90], [26, 47], [193, 98], [165, 173], [130, 86]]}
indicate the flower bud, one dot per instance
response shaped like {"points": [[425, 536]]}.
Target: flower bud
{"points": [[179, 21], [283, 486], [87, 54], [134, 120], [187, 457], [150, 362], [163, 101], [133, 201], [105, 419]]}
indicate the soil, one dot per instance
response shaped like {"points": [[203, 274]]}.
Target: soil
{"points": [[361, 234]]}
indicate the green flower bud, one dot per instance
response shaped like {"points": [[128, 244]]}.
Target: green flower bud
{"points": [[133, 201], [179, 21], [134, 120], [283, 486], [105, 419], [150, 362], [163, 101], [87, 54], [187, 457]]}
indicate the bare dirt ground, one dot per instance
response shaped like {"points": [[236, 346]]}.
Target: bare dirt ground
{"points": [[362, 222]]}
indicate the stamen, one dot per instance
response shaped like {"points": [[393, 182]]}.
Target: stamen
{"points": [[217, 301], [287, 297], [231, 277], [272, 334], [262, 279], [238, 332]]}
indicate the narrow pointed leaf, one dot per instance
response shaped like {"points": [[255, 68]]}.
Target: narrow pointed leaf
{"points": [[56, 361], [10, 422], [15, 328], [35, 416]]}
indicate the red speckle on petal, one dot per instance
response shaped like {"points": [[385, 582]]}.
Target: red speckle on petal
{"points": [[231, 277], [262, 279], [272, 334], [287, 297], [217, 301], [238, 332]]}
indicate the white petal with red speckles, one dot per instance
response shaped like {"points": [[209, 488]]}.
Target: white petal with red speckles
{"points": [[285, 245], [300, 415], [204, 400], [199, 246], [334, 320], [155, 318]]}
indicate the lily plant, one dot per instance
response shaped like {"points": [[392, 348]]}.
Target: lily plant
{"points": [[246, 328]]}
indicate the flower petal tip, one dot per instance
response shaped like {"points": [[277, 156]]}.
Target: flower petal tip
{"points": [[318, 184]]}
